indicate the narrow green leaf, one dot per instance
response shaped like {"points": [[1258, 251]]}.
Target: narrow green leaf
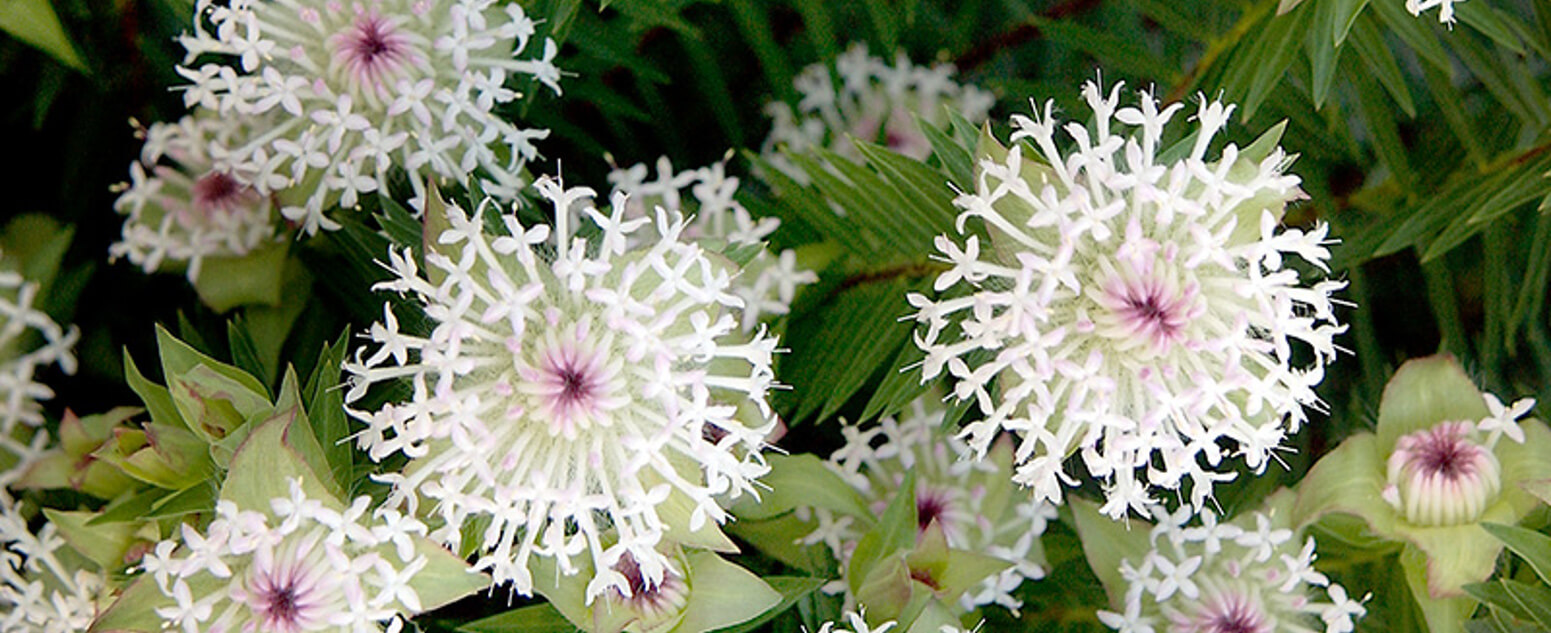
{"points": [[1376, 55], [1447, 97], [954, 157], [1379, 119], [1343, 15], [1491, 23], [323, 398], [755, 25], [34, 22], [1120, 54], [156, 397], [244, 352], [1415, 33], [1532, 546]]}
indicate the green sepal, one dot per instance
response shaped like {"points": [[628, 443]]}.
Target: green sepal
{"points": [[1106, 543], [951, 571], [256, 278], [722, 594]]}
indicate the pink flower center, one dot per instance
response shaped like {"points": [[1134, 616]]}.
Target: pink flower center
{"points": [[1441, 476], [570, 382], [373, 52], [1148, 311], [218, 193], [653, 602], [286, 596], [1231, 613]]}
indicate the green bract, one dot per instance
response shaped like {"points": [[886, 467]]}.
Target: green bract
{"points": [[1439, 559]]}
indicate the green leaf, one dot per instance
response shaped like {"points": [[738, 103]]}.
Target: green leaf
{"points": [[1376, 55], [802, 480], [895, 532], [1491, 23], [1106, 543], [266, 464], [781, 539], [323, 398], [129, 507], [1415, 33], [156, 397], [135, 609], [791, 588], [34, 22], [1532, 546], [536, 618], [104, 544], [226, 282], [179, 358], [839, 347], [1525, 601], [722, 594]]}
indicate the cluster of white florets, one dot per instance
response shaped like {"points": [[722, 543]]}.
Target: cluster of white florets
{"points": [[1219, 577], [1445, 9], [1139, 311], [29, 341], [183, 206], [44, 585], [871, 100], [952, 489], [354, 88], [297, 566], [579, 398], [768, 282]]}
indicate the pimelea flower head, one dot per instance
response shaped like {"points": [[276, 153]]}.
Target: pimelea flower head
{"points": [[29, 342], [45, 587], [1445, 9], [973, 502], [361, 86], [1225, 578], [1137, 310], [584, 400], [768, 282], [183, 205], [872, 101], [1443, 459], [298, 565]]}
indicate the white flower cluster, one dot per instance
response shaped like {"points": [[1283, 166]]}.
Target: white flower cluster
{"points": [[872, 101], [577, 398], [45, 587], [857, 620], [1139, 311], [1217, 577], [29, 341], [768, 282], [968, 499], [300, 567], [355, 88], [182, 207]]}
